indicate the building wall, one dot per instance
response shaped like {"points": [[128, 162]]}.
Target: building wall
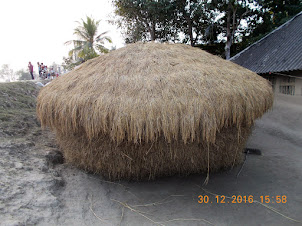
{"points": [[299, 87], [287, 83]]}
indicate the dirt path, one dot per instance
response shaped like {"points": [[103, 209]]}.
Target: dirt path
{"points": [[27, 178], [27, 183]]}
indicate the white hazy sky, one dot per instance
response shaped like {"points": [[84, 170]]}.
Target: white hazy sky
{"points": [[35, 31]]}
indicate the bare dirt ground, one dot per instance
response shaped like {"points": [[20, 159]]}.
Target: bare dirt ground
{"points": [[37, 188]]}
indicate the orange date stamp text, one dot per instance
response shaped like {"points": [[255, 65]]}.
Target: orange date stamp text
{"points": [[242, 199]]}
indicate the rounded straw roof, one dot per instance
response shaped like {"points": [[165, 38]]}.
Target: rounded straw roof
{"points": [[147, 90]]}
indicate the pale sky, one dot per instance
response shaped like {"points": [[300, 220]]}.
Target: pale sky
{"points": [[36, 31]]}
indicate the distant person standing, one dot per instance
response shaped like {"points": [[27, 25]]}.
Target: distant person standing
{"points": [[47, 72], [42, 71], [31, 70], [52, 73], [39, 68]]}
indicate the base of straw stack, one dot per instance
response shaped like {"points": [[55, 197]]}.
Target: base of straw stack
{"points": [[148, 161]]}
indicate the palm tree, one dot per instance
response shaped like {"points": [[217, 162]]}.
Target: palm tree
{"points": [[89, 44]]}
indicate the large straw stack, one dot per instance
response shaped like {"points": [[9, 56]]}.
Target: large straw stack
{"points": [[148, 110]]}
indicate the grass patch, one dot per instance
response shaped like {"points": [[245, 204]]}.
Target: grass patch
{"points": [[17, 108]]}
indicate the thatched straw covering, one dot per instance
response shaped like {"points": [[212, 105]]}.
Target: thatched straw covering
{"points": [[154, 109]]}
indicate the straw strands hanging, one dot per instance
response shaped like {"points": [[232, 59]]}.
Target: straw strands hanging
{"points": [[152, 109]]}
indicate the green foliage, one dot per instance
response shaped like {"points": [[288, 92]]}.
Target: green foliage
{"points": [[194, 17], [271, 14], [6, 73], [88, 45], [23, 75], [281, 10], [17, 108], [234, 12], [164, 20], [69, 64], [146, 19], [204, 23]]}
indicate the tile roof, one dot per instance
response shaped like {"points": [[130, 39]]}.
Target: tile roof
{"points": [[279, 51]]}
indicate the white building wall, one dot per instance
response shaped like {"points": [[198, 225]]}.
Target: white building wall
{"points": [[283, 83], [277, 84], [298, 87]]}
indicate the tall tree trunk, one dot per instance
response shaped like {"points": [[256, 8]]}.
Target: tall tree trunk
{"points": [[188, 20], [228, 43], [152, 32], [151, 29], [227, 47], [190, 30], [232, 30]]}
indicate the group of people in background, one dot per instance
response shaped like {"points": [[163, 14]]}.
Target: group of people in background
{"points": [[44, 71]]}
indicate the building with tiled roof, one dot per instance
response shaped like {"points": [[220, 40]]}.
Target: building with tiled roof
{"points": [[277, 57]]}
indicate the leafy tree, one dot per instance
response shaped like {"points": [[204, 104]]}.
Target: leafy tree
{"points": [[271, 15], [166, 20], [197, 20], [145, 19], [6, 73], [194, 17], [281, 10], [23, 75], [233, 13], [89, 44], [69, 64], [208, 24]]}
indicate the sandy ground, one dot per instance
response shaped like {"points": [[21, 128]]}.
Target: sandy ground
{"points": [[36, 189]]}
